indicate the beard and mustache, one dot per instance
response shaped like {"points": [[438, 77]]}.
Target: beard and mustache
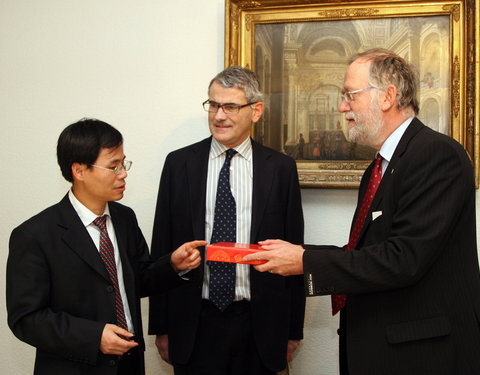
{"points": [[368, 125]]}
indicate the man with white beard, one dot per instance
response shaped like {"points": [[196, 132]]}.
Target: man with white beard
{"points": [[407, 283]]}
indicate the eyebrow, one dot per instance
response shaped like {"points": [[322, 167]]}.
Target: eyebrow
{"points": [[228, 103], [117, 160]]}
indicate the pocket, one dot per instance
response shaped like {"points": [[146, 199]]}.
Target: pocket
{"points": [[418, 330]]}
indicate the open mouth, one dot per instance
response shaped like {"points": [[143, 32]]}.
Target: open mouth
{"points": [[222, 126]]}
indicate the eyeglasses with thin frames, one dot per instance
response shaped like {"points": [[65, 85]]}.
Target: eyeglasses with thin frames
{"points": [[348, 96], [117, 169], [227, 108]]}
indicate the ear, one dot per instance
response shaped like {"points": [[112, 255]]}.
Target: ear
{"points": [[257, 111], [389, 98], [78, 171]]}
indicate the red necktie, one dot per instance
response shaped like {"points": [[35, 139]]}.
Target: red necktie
{"points": [[339, 300], [108, 256]]}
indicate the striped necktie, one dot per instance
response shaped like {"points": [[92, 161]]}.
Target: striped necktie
{"points": [[108, 256]]}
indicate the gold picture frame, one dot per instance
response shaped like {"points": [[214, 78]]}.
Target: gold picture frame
{"points": [[293, 44]]}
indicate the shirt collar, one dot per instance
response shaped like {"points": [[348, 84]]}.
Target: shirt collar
{"points": [[86, 216], [244, 149], [391, 143]]}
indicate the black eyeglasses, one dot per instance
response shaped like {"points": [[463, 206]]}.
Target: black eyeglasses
{"points": [[228, 108]]}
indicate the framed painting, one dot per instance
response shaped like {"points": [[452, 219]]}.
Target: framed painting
{"points": [[300, 52]]}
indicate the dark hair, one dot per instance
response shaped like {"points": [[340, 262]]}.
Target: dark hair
{"points": [[82, 142], [240, 78], [387, 68]]}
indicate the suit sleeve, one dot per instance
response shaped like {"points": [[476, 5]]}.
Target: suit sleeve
{"points": [[294, 234], [156, 276], [428, 194], [30, 316]]}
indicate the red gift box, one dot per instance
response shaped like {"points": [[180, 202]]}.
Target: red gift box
{"points": [[232, 252]]}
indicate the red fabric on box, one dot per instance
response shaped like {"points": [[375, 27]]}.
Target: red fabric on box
{"points": [[232, 252]]}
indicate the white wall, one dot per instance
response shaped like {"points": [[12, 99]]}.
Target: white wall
{"points": [[144, 67]]}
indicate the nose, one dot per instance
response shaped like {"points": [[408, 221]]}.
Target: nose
{"points": [[220, 114], [344, 106], [123, 174]]}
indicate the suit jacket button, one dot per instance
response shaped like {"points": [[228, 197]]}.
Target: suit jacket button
{"points": [[112, 362], [110, 289]]}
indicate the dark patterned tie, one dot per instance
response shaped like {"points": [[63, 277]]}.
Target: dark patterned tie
{"points": [[339, 300], [222, 275], [108, 256]]}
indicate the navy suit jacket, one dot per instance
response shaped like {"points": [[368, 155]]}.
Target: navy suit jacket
{"points": [[277, 303], [413, 284], [59, 295]]}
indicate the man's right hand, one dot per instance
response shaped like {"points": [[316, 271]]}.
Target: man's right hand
{"points": [[112, 343], [162, 345], [187, 256]]}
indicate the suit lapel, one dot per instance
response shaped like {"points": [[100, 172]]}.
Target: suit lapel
{"points": [[197, 169], [122, 231], [263, 170], [412, 129], [77, 238]]}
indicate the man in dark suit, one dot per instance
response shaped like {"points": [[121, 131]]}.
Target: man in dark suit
{"points": [[76, 271], [262, 323], [411, 279]]}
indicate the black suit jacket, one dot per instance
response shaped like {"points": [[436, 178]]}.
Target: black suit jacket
{"points": [[277, 303], [59, 295], [413, 284]]}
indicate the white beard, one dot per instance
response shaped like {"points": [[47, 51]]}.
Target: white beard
{"points": [[367, 125]]}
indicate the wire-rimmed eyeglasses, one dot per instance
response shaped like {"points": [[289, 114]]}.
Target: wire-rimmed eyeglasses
{"points": [[348, 96], [126, 165], [228, 108]]}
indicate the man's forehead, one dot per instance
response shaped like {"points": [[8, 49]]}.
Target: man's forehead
{"points": [[225, 92], [112, 153], [357, 74]]}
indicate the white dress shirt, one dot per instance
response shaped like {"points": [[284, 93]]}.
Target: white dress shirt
{"points": [[391, 143], [241, 182]]}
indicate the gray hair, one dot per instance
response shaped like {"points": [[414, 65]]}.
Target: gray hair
{"points": [[241, 78], [387, 68]]}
